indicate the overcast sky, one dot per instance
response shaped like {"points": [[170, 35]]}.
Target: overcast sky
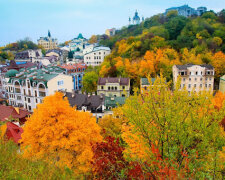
{"points": [[67, 18]]}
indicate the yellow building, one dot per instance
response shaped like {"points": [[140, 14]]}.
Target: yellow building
{"points": [[48, 42], [222, 84], [110, 32], [117, 87]]}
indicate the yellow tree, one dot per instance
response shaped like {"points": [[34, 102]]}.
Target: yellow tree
{"points": [[61, 135], [218, 61]]}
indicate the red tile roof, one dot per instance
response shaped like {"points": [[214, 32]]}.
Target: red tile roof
{"points": [[9, 111]]}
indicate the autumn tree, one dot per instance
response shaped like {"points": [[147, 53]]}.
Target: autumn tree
{"points": [[61, 135], [176, 124], [93, 39]]}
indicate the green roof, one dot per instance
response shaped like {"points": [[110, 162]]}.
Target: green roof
{"points": [[11, 73], [144, 81], [114, 101]]}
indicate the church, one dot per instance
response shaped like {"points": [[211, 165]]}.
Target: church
{"points": [[136, 19]]}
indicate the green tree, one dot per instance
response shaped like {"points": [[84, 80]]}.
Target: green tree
{"points": [[178, 125], [90, 80]]}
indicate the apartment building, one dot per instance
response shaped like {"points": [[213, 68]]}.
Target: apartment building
{"points": [[96, 56], [77, 72], [194, 77], [114, 87], [27, 87], [28, 55]]}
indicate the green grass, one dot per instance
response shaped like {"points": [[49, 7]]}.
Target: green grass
{"points": [[14, 166]]}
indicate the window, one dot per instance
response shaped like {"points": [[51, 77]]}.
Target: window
{"points": [[36, 100], [189, 85], [210, 79], [183, 79], [182, 73], [196, 73], [210, 85], [200, 79], [195, 79], [29, 108], [123, 87], [108, 88], [102, 87], [189, 79], [60, 83], [28, 100], [195, 85], [183, 85], [206, 79], [115, 88], [123, 95], [99, 52], [200, 85], [112, 88], [206, 85]]}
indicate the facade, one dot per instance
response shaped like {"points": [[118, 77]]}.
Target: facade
{"points": [[28, 55], [48, 42], [27, 87], [187, 11], [136, 19], [96, 56], [114, 87], [77, 73], [222, 84], [110, 32], [194, 77]]}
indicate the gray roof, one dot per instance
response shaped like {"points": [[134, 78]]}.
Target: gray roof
{"points": [[79, 100], [144, 81], [121, 81], [184, 67]]}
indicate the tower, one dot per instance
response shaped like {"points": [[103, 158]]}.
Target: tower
{"points": [[49, 34]]}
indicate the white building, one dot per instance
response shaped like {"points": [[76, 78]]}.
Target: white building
{"points": [[194, 77], [28, 55], [96, 56], [28, 87], [78, 44]]}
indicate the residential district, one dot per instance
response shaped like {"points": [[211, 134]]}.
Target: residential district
{"points": [[34, 74]]}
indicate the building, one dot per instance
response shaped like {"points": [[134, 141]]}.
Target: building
{"points": [[78, 44], [27, 87], [222, 84], [77, 72], [110, 32], [194, 77], [113, 102], [187, 11], [96, 56], [28, 55], [84, 102], [48, 42], [144, 84], [136, 19], [114, 87], [9, 113]]}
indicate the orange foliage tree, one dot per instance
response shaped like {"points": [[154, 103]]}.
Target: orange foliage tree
{"points": [[59, 134]]}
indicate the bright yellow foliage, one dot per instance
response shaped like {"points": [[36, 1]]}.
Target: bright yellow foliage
{"points": [[59, 134]]}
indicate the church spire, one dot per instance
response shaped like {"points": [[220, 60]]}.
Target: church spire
{"points": [[49, 34]]}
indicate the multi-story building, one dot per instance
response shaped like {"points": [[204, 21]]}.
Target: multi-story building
{"points": [[194, 77], [96, 56], [187, 11], [110, 32], [28, 87], [77, 72], [28, 55], [114, 87], [48, 42], [222, 84]]}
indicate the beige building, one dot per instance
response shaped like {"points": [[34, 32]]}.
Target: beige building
{"points": [[222, 84], [48, 42], [194, 77], [27, 88], [110, 32], [96, 56], [117, 87]]}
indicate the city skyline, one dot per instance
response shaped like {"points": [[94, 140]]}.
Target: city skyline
{"points": [[66, 19]]}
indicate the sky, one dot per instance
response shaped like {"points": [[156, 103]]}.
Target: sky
{"points": [[67, 18]]}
